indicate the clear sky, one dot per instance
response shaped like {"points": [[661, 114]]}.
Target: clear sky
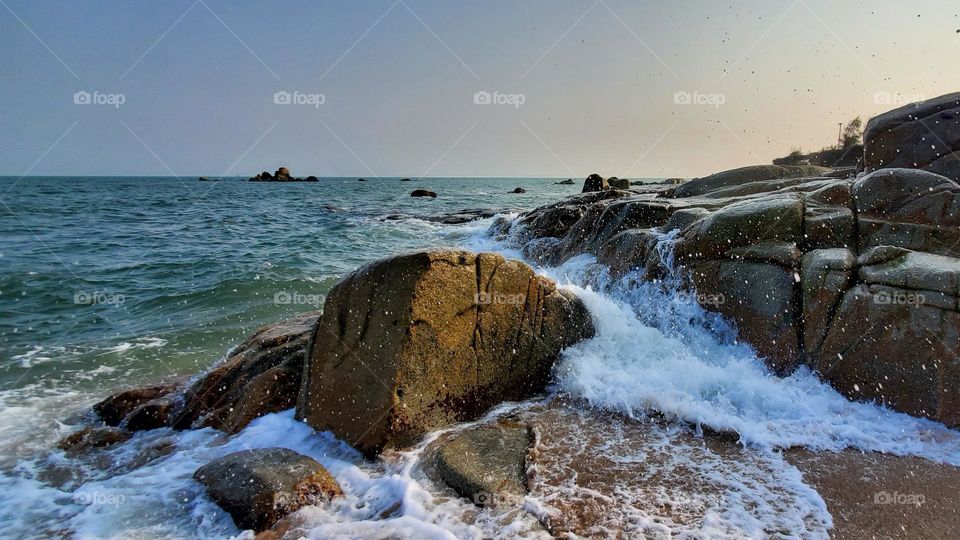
{"points": [[187, 87]]}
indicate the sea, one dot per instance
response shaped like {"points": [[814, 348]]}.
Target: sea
{"points": [[112, 282]]}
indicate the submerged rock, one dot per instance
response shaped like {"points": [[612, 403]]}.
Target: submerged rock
{"points": [[410, 344], [423, 193], [93, 437], [519, 190], [487, 465], [258, 487]]}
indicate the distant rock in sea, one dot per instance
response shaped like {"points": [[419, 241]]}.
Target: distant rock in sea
{"points": [[281, 175], [405, 180], [423, 193], [567, 182], [519, 190]]}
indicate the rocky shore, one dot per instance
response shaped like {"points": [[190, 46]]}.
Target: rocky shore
{"points": [[854, 275]]}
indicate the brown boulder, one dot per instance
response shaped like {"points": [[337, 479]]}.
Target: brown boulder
{"points": [[258, 487], [115, 408], [261, 376], [413, 343], [487, 465], [93, 437]]}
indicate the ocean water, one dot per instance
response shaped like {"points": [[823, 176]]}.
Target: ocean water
{"points": [[114, 281]]}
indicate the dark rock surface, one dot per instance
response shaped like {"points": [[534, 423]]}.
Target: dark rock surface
{"points": [[423, 193], [487, 465]]}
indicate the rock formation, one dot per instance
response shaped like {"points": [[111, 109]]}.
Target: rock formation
{"points": [[413, 343]]}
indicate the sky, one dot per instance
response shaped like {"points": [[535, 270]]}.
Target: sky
{"points": [[556, 88]]}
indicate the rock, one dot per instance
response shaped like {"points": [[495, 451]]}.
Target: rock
{"points": [[567, 182], [115, 408], [311, 179], [361, 179], [423, 193], [595, 182], [154, 414], [258, 487], [924, 135], [745, 175], [93, 437], [618, 183], [555, 220], [487, 465], [601, 222], [413, 343], [264, 176], [519, 190], [825, 275], [261, 376], [405, 180], [282, 174], [760, 300]]}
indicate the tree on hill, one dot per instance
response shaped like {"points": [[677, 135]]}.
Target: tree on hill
{"points": [[852, 132]]}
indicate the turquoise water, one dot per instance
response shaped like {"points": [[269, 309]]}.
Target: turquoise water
{"points": [[146, 277]]}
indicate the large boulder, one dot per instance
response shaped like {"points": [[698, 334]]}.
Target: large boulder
{"points": [[113, 409], [745, 175], [258, 487], [924, 135], [412, 343], [262, 376], [487, 465]]}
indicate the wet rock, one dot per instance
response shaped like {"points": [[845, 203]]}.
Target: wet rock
{"points": [[93, 437], [486, 465], [154, 414], [261, 376], [115, 408], [745, 175], [618, 183], [595, 182], [410, 344], [519, 190], [423, 193], [567, 182], [258, 487], [924, 135]]}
